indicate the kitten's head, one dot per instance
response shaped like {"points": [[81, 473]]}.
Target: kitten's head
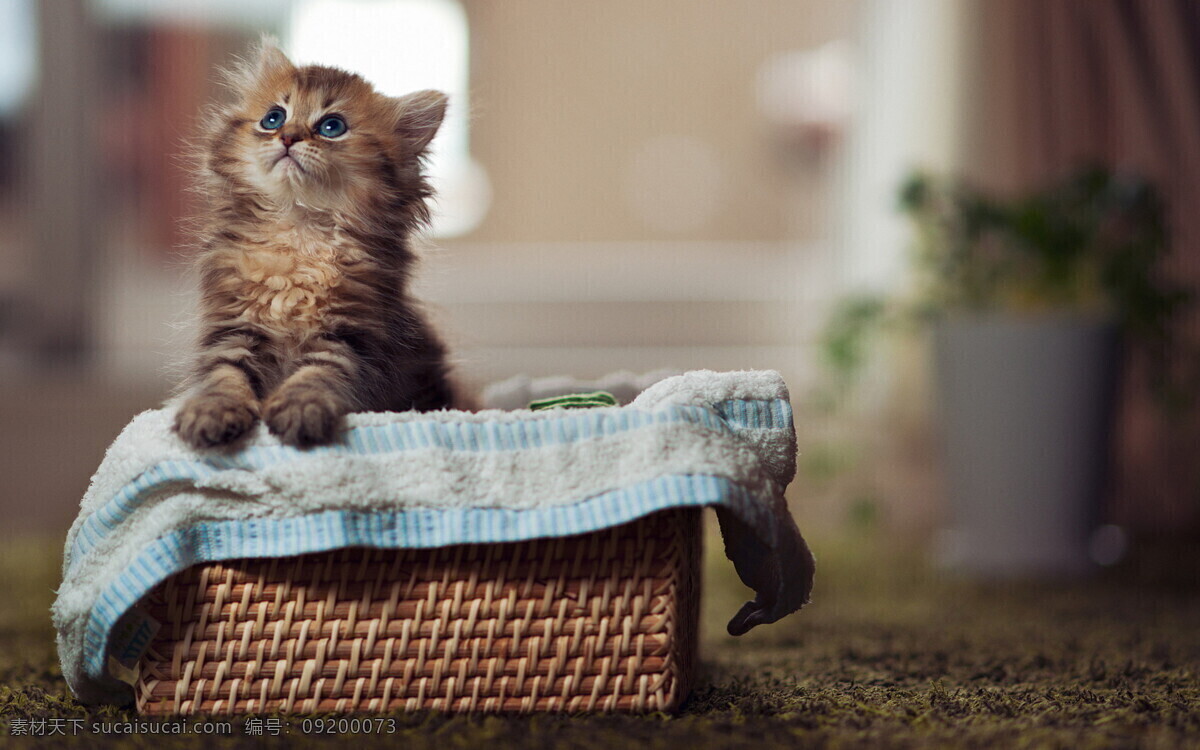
{"points": [[322, 138]]}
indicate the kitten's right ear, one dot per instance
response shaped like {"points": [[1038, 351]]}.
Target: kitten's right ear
{"points": [[269, 60], [264, 62]]}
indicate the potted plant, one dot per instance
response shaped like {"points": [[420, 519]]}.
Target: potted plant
{"points": [[1030, 299]]}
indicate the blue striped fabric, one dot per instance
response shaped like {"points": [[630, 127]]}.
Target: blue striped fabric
{"points": [[413, 527], [410, 436]]}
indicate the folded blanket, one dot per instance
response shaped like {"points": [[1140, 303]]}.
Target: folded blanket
{"points": [[155, 507]]}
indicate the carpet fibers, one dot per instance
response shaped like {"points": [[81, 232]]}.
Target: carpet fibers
{"points": [[888, 655]]}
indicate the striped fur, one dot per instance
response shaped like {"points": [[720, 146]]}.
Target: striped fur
{"points": [[304, 259]]}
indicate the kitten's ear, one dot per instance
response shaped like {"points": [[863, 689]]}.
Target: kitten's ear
{"points": [[264, 62], [419, 115], [269, 60]]}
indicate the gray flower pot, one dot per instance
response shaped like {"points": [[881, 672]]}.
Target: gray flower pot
{"points": [[1026, 407]]}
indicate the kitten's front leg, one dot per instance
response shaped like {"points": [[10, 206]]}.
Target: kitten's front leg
{"points": [[223, 404], [308, 407]]}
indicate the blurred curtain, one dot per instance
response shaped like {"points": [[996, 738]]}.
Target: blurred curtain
{"points": [[1059, 82]]}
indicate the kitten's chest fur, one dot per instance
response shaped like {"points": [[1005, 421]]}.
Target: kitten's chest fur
{"points": [[288, 278]]}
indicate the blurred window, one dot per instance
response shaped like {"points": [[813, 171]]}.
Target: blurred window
{"points": [[18, 53], [228, 13]]}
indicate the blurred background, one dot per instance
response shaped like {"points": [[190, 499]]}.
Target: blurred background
{"points": [[624, 186]]}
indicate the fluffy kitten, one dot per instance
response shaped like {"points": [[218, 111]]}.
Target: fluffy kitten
{"points": [[313, 182]]}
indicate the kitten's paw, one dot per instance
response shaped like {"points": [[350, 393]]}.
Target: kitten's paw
{"points": [[303, 417], [209, 420]]}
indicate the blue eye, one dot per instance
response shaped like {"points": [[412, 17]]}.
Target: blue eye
{"points": [[273, 119], [332, 126]]}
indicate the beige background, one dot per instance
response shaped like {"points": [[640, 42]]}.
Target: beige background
{"points": [[567, 93]]}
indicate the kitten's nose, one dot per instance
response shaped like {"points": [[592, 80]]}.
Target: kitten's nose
{"points": [[290, 138]]}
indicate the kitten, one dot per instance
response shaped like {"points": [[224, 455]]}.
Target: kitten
{"points": [[313, 182]]}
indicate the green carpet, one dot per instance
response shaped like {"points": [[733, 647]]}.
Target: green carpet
{"points": [[888, 655]]}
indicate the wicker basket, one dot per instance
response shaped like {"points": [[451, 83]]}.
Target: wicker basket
{"points": [[604, 621]]}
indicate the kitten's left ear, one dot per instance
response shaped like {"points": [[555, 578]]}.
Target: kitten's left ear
{"points": [[419, 115]]}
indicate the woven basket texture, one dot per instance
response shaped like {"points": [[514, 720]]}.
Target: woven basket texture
{"points": [[605, 621]]}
